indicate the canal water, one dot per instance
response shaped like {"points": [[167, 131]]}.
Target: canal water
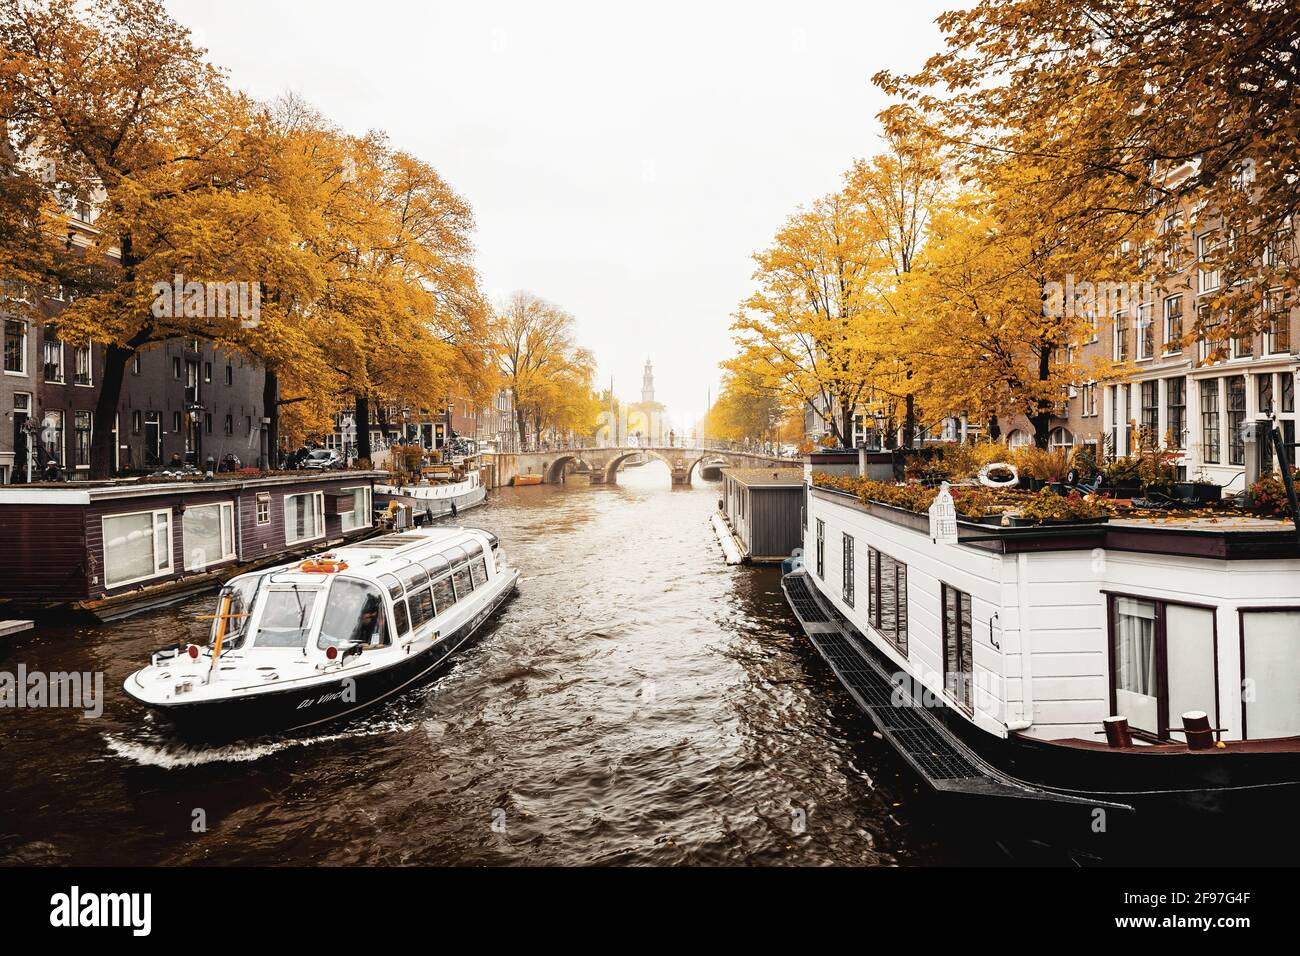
{"points": [[638, 702]]}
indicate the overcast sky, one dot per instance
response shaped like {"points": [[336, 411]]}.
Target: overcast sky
{"points": [[623, 160]]}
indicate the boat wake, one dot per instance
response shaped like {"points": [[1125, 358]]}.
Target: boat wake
{"points": [[174, 755]]}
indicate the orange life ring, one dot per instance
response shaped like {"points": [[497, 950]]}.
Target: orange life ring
{"points": [[322, 566]]}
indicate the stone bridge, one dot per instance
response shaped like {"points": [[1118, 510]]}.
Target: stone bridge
{"points": [[602, 464]]}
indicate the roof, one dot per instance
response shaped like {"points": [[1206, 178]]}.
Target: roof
{"points": [[766, 477], [84, 492], [392, 553]]}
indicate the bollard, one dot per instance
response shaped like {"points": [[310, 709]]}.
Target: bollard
{"points": [[1117, 734], [1196, 725]]}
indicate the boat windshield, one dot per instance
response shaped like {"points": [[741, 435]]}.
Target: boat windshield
{"points": [[286, 617], [354, 614], [241, 592]]}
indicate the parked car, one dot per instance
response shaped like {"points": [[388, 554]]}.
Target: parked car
{"points": [[322, 459]]}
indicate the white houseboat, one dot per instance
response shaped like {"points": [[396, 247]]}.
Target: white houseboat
{"points": [[294, 646], [433, 499], [1146, 667]]}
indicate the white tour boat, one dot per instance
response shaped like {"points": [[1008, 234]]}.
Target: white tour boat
{"points": [[300, 644]]}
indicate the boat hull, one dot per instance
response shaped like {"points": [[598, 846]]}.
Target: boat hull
{"points": [[323, 702], [428, 507]]}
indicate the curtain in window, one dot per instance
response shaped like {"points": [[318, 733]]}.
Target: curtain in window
{"points": [[128, 548], [1135, 633]]}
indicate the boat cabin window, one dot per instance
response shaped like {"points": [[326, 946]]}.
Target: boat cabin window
{"points": [[394, 586], [414, 577], [478, 571], [241, 591], [354, 614], [421, 608], [1270, 665], [463, 583], [436, 565], [444, 594], [286, 618], [401, 619]]}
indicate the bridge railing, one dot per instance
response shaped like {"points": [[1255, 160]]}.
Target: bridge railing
{"points": [[704, 446]]}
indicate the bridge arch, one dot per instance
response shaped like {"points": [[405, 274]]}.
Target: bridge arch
{"points": [[611, 468], [554, 472]]}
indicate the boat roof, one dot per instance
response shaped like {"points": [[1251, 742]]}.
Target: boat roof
{"points": [[433, 549]]}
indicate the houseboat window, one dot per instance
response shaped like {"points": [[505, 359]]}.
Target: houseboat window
{"points": [[354, 614], [464, 585], [1270, 666], [401, 619], [478, 571], [208, 533], [422, 609], [887, 597], [444, 594], [1136, 691], [821, 549], [304, 517], [359, 516], [264, 508], [136, 546], [286, 618], [958, 651], [847, 584]]}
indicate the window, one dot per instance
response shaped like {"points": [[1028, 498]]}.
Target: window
{"points": [[1210, 420], [230, 425], [263, 508], [958, 648], [401, 618], [1174, 323], [1244, 346], [304, 517], [176, 423], [136, 546], [359, 516], [1121, 336], [52, 435], [1176, 405], [15, 351], [479, 571], [1270, 667], [207, 371], [464, 584], [137, 422], [230, 374], [1206, 250], [52, 356], [1277, 337], [1236, 418], [1151, 410], [847, 582], [1088, 399], [354, 614], [887, 597], [422, 607], [1162, 663], [135, 364], [207, 424], [1061, 439], [208, 535], [1018, 438], [81, 365], [286, 618], [821, 549], [176, 367], [1146, 336], [81, 439], [444, 594]]}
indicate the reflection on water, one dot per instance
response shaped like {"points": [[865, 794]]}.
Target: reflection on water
{"points": [[637, 702]]}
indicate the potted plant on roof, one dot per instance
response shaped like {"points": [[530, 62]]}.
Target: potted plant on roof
{"points": [[1046, 508], [1201, 489]]}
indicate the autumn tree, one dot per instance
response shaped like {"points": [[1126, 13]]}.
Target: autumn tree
{"points": [[541, 363], [1136, 113], [121, 104], [745, 410]]}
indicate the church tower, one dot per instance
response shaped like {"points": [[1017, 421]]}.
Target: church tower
{"points": [[648, 384]]}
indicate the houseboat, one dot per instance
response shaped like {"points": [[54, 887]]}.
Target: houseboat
{"points": [[432, 499], [1132, 679], [761, 508], [298, 645], [113, 548]]}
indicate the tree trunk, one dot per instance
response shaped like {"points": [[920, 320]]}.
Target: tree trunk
{"points": [[362, 417], [271, 407], [846, 439], [995, 430], [103, 432], [909, 420], [520, 421]]}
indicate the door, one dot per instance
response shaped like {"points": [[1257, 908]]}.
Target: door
{"points": [[22, 414], [153, 440], [958, 650], [1163, 664]]}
